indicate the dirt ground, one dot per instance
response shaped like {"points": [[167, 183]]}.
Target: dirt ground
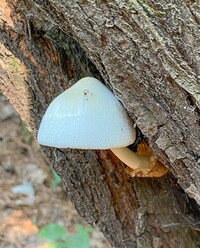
{"points": [[33, 203]]}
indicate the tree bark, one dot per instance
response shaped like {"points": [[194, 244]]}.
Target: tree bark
{"points": [[147, 53]]}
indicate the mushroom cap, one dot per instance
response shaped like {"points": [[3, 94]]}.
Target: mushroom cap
{"points": [[86, 116]]}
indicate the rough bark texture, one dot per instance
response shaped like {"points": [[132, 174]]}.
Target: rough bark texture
{"points": [[148, 53]]}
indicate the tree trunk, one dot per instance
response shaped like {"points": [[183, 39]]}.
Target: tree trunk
{"points": [[147, 53]]}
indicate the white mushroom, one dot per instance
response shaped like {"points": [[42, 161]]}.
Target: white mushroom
{"points": [[89, 116]]}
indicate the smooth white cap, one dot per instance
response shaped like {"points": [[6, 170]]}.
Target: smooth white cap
{"points": [[86, 116]]}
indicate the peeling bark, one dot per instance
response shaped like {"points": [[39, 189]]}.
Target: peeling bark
{"points": [[147, 53]]}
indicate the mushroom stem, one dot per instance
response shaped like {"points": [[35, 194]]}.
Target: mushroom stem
{"points": [[131, 159]]}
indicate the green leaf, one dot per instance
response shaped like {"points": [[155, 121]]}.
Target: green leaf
{"points": [[53, 232], [56, 179], [58, 245], [80, 229], [80, 239]]}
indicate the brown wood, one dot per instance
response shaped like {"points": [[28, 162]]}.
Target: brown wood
{"points": [[147, 53]]}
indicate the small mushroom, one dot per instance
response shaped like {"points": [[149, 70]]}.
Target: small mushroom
{"points": [[89, 116]]}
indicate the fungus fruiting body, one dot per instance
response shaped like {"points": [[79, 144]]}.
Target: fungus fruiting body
{"points": [[89, 116], [130, 158]]}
